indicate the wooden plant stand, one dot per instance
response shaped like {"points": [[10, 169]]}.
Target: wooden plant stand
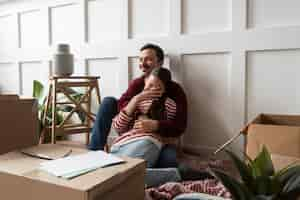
{"points": [[61, 84]]}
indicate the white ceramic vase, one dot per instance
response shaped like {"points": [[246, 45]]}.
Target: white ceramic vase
{"points": [[63, 61]]}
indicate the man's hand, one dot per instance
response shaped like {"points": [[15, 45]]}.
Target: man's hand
{"points": [[147, 94], [146, 125]]}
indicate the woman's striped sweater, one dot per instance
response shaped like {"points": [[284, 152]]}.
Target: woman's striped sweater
{"points": [[123, 124]]}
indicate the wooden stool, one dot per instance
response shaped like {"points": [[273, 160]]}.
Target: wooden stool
{"points": [[62, 84]]}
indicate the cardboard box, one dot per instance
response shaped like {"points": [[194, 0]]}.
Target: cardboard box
{"points": [[20, 178], [281, 161], [18, 122], [280, 134]]}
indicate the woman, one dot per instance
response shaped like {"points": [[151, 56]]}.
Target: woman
{"points": [[132, 141]]}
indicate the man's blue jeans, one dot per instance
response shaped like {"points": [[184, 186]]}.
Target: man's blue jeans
{"points": [[107, 111]]}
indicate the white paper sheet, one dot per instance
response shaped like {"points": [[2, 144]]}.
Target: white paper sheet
{"points": [[75, 165]]}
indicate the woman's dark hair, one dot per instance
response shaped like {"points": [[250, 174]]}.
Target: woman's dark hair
{"points": [[163, 74], [157, 107], [158, 51]]}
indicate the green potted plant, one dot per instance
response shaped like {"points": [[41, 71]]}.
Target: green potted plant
{"points": [[38, 93], [258, 179]]}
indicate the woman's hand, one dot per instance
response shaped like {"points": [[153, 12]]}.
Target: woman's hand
{"points": [[146, 125], [144, 95]]}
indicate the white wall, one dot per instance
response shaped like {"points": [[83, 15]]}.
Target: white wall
{"points": [[235, 58]]}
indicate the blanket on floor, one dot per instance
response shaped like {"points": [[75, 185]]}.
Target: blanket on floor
{"points": [[170, 190]]}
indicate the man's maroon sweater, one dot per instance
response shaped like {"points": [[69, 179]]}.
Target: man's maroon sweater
{"points": [[167, 128]]}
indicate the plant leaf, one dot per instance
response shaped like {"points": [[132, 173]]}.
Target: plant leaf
{"points": [[295, 194], [77, 96], [237, 190], [244, 169], [292, 184], [276, 186], [38, 90], [256, 171], [263, 185], [285, 174], [264, 197], [263, 163]]}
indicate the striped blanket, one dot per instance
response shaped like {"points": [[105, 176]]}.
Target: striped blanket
{"points": [[170, 190], [213, 187]]}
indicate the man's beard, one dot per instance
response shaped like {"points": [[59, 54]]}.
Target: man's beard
{"points": [[145, 68]]}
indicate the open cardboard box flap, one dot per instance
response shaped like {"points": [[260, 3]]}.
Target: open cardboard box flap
{"points": [[18, 122], [279, 133]]}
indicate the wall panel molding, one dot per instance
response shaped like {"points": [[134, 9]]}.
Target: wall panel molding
{"points": [[199, 16], [272, 82], [99, 27], [149, 18], [207, 83], [226, 43], [9, 81], [269, 13]]}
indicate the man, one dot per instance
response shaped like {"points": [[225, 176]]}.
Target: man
{"points": [[151, 56]]}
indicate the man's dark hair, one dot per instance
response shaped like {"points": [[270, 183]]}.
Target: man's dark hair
{"points": [[158, 51]]}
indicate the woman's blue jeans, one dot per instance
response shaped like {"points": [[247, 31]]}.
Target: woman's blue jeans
{"points": [[142, 148], [107, 111]]}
